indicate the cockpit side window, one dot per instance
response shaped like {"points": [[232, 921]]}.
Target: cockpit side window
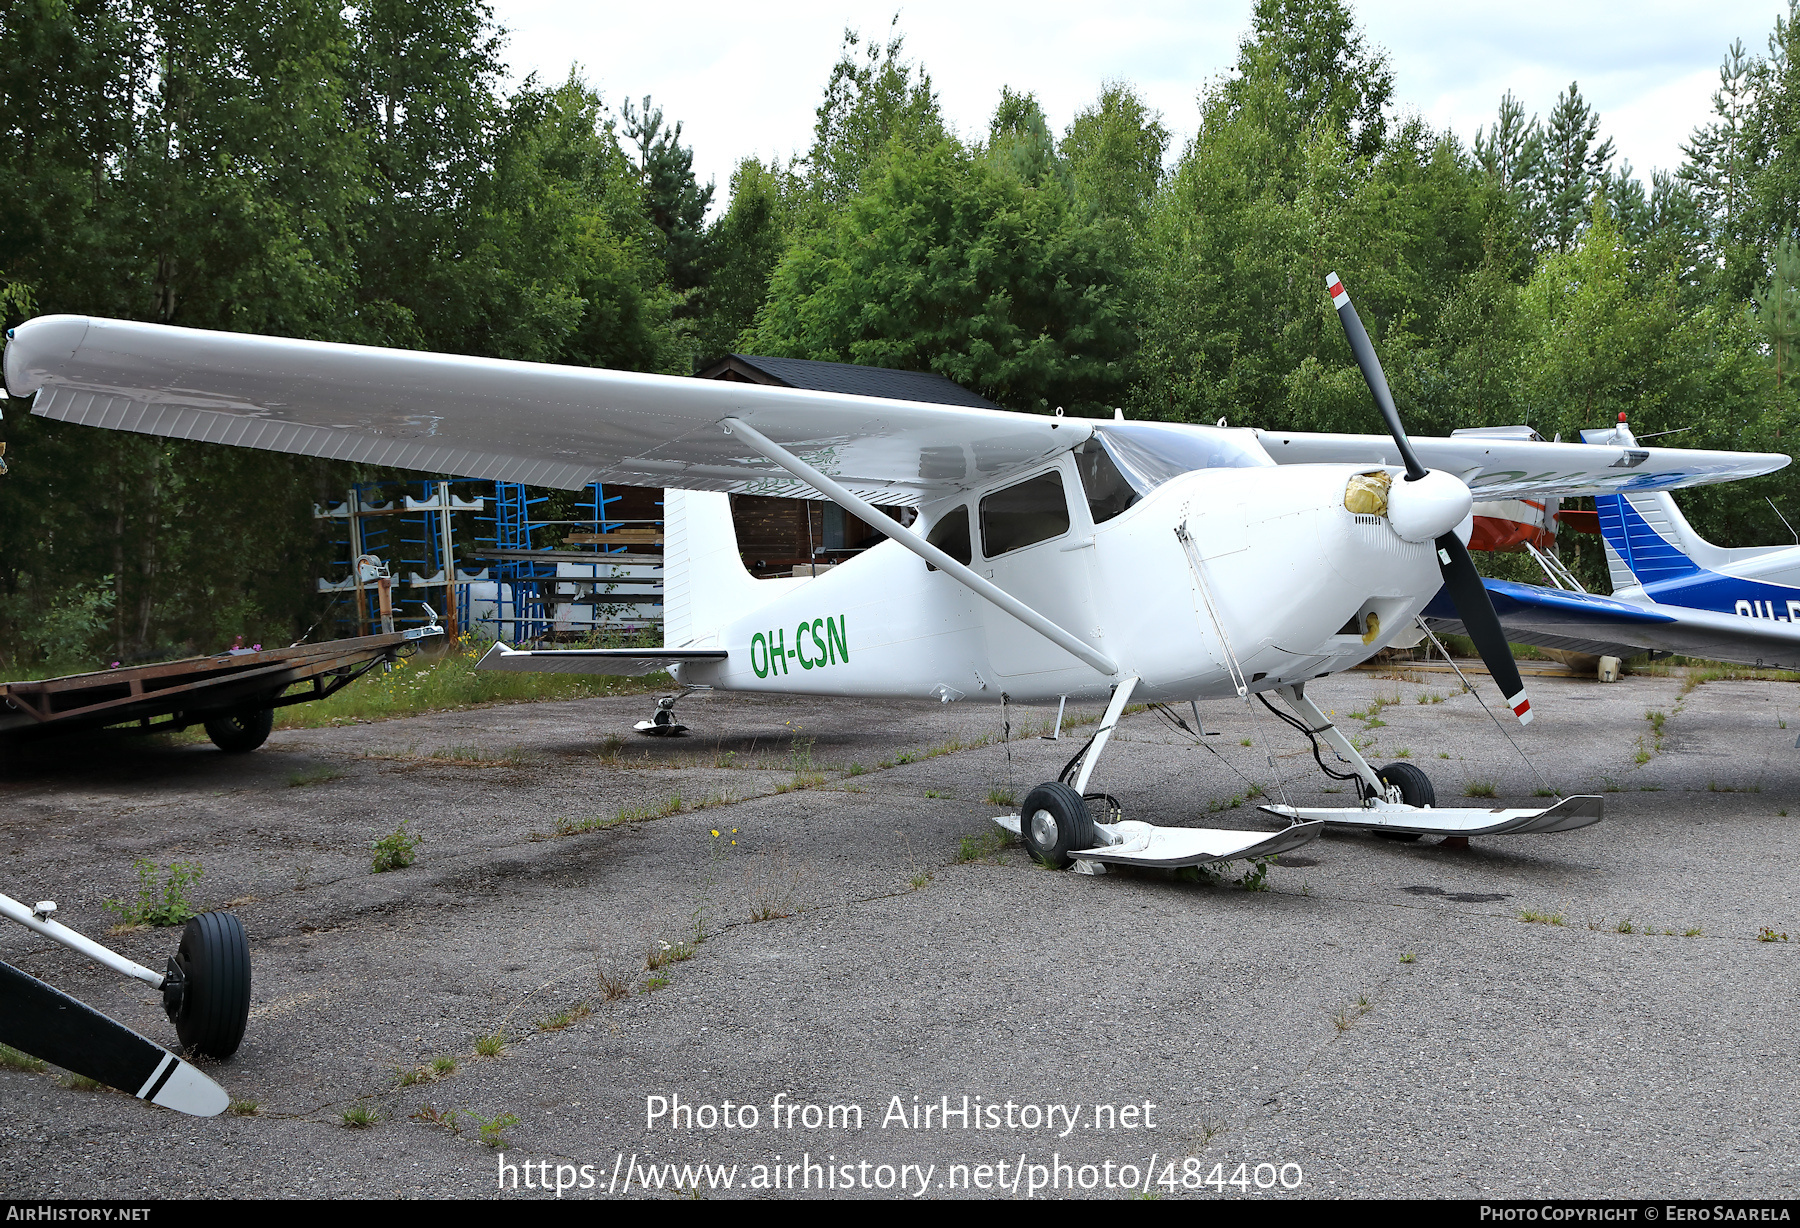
{"points": [[1108, 493], [951, 535], [1021, 515]]}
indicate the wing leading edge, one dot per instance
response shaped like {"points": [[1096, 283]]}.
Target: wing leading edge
{"points": [[512, 421]]}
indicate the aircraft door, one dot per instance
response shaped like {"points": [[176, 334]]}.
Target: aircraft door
{"points": [[1027, 533]]}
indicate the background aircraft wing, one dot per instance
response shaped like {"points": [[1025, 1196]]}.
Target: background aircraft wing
{"points": [[1605, 626], [1518, 468], [512, 421]]}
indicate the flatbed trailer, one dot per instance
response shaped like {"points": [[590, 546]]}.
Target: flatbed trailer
{"points": [[234, 693]]}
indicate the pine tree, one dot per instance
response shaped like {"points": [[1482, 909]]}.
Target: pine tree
{"points": [[1573, 168], [676, 203]]}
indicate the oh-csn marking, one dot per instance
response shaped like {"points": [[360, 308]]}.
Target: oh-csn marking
{"points": [[816, 644]]}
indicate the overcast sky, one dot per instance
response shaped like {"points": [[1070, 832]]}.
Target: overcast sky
{"points": [[744, 81]]}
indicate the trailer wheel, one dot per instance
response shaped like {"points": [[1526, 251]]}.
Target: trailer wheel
{"points": [[238, 732], [1054, 822], [212, 1004], [1415, 790]]}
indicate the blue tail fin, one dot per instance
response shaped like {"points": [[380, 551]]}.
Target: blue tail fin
{"points": [[1646, 539]]}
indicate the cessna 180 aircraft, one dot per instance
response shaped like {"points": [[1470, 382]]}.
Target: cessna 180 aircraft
{"points": [[1052, 557]]}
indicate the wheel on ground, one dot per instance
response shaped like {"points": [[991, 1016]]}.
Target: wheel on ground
{"points": [[240, 731], [1415, 790], [1054, 822], [212, 1004]]}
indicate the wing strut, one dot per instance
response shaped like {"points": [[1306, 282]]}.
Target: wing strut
{"points": [[883, 523]]}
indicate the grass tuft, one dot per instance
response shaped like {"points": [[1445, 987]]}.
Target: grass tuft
{"points": [[563, 1018], [491, 1045], [983, 845], [360, 1116], [1533, 917]]}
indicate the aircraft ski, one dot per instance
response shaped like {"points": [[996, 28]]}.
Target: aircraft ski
{"points": [[1381, 816], [1131, 843]]}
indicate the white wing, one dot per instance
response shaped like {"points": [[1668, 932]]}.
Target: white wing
{"points": [[1517, 468], [511, 421]]}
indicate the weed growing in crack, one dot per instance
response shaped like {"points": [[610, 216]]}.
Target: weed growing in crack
{"points": [[394, 851], [159, 904]]}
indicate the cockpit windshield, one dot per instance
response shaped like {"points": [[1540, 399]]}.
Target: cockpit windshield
{"points": [[1150, 453]]}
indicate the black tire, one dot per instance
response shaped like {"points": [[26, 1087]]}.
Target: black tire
{"points": [[1054, 822], [214, 1003], [244, 730], [1415, 790]]}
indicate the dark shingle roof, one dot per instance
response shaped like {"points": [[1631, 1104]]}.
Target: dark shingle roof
{"points": [[860, 381]]}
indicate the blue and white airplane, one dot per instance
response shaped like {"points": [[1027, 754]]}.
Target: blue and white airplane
{"points": [[1673, 591]]}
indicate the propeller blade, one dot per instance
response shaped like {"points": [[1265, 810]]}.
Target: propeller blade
{"points": [[1463, 582], [1364, 351], [43, 1021], [1479, 621]]}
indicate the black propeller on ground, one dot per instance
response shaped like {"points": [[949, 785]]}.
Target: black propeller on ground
{"points": [[1460, 577]]}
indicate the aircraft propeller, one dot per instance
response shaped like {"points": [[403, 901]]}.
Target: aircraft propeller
{"points": [[1460, 577]]}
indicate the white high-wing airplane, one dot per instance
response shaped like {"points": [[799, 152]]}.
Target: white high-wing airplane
{"points": [[1056, 557]]}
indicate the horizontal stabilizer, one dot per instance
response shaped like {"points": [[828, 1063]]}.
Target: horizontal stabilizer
{"points": [[611, 662], [1566, 815], [1143, 844], [43, 1021]]}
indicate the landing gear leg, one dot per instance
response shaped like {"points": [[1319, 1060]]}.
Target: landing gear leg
{"points": [[1397, 783], [1054, 822], [662, 722], [1369, 782]]}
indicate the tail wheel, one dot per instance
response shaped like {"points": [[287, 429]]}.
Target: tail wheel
{"points": [[1415, 790], [209, 1001], [1054, 823]]}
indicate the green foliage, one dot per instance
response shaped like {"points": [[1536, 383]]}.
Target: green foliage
{"points": [[951, 261], [162, 897], [394, 851], [1114, 149], [871, 104]]}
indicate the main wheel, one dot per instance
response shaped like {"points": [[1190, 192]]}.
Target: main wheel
{"points": [[1054, 822], [212, 1005], [1415, 790], [240, 731]]}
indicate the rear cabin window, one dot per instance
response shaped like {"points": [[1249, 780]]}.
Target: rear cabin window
{"points": [[1108, 493], [951, 535], [1023, 515]]}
